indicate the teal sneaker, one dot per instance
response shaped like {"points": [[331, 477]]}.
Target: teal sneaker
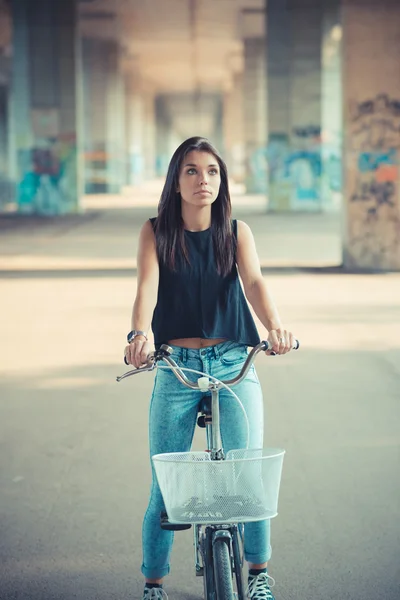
{"points": [[154, 594], [259, 587]]}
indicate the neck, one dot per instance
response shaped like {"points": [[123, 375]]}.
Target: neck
{"points": [[196, 219]]}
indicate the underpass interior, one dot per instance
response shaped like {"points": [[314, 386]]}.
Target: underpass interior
{"points": [[183, 73], [74, 470], [199, 68], [149, 75]]}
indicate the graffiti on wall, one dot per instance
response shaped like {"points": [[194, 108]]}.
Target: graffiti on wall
{"points": [[48, 183], [294, 170], [256, 168], [374, 193], [378, 111], [300, 164], [303, 164]]}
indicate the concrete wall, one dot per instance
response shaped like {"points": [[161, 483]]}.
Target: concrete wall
{"points": [[294, 104], [332, 107], [255, 115], [371, 78], [104, 121], [43, 107]]}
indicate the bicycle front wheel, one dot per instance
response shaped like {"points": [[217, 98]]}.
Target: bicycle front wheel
{"points": [[222, 571]]}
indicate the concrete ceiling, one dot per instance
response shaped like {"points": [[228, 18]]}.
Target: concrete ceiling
{"points": [[177, 46]]}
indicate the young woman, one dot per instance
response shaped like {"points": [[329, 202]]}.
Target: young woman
{"points": [[189, 258]]}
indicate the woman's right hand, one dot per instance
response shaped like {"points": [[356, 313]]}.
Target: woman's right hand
{"points": [[137, 351]]}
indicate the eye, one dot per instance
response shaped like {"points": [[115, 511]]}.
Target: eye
{"points": [[214, 171], [191, 171]]}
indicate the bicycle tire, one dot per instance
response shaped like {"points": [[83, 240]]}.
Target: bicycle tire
{"points": [[208, 565], [222, 571]]}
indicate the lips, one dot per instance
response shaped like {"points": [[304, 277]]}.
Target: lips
{"points": [[203, 192]]}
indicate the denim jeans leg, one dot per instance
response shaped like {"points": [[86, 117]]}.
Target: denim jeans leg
{"points": [[257, 536], [173, 414], [172, 420]]}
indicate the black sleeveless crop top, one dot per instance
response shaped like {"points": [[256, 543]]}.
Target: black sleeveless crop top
{"points": [[196, 301]]}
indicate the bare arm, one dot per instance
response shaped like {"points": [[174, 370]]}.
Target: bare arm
{"points": [[256, 290], [146, 295]]}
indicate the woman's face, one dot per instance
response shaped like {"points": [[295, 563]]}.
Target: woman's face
{"points": [[199, 178]]}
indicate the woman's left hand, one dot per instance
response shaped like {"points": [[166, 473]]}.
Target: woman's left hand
{"points": [[281, 341]]}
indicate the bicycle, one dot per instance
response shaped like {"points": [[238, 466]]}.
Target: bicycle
{"points": [[212, 492]]}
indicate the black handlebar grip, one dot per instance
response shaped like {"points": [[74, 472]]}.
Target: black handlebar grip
{"points": [[267, 345]]}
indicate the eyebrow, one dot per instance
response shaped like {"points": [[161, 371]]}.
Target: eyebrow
{"points": [[193, 165]]}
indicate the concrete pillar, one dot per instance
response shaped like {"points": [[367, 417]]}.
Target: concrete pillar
{"points": [[135, 129], [93, 85], [371, 80], [163, 137], [3, 132], [218, 130], [44, 106], [115, 122], [255, 114], [104, 120], [233, 129], [294, 104], [7, 187], [332, 117], [149, 133]]}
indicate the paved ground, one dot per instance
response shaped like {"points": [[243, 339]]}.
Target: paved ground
{"points": [[110, 242], [74, 475]]}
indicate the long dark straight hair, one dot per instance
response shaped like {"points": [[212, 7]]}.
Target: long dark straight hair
{"points": [[169, 226]]}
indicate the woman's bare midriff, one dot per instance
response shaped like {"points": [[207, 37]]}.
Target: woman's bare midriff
{"points": [[195, 343]]}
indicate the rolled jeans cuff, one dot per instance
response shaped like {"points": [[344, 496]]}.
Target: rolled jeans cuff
{"points": [[259, 559], [155, 573]]}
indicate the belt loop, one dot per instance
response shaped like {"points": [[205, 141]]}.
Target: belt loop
{"points": [[216, 351], [184, 355]]}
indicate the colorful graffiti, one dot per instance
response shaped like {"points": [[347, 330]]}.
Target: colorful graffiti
{"points": [[373, 156], [298, 165], [373, 161], [48, 185], [303, 168], [257, 171]]}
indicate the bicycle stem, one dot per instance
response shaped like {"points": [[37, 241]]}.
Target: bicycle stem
{"points": [[217, 452]]}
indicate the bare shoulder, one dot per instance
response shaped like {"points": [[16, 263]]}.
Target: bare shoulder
{"points": [[244, 232], [146, 236], [147, 239], [147, 260], [147, 228], [247, 257]]}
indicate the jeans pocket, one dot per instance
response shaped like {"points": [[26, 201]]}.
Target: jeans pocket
{"points": [[234, 356]]}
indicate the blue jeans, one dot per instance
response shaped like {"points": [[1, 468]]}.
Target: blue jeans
{"points": [[172, 421]]}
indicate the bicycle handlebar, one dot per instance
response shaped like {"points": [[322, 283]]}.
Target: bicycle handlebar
{"points": [[164, 354]]}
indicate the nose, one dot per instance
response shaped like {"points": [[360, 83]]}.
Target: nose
{"points": [[203, 178]]}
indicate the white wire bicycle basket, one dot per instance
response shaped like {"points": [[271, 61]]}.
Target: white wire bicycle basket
{"points": [[244, 487]]}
